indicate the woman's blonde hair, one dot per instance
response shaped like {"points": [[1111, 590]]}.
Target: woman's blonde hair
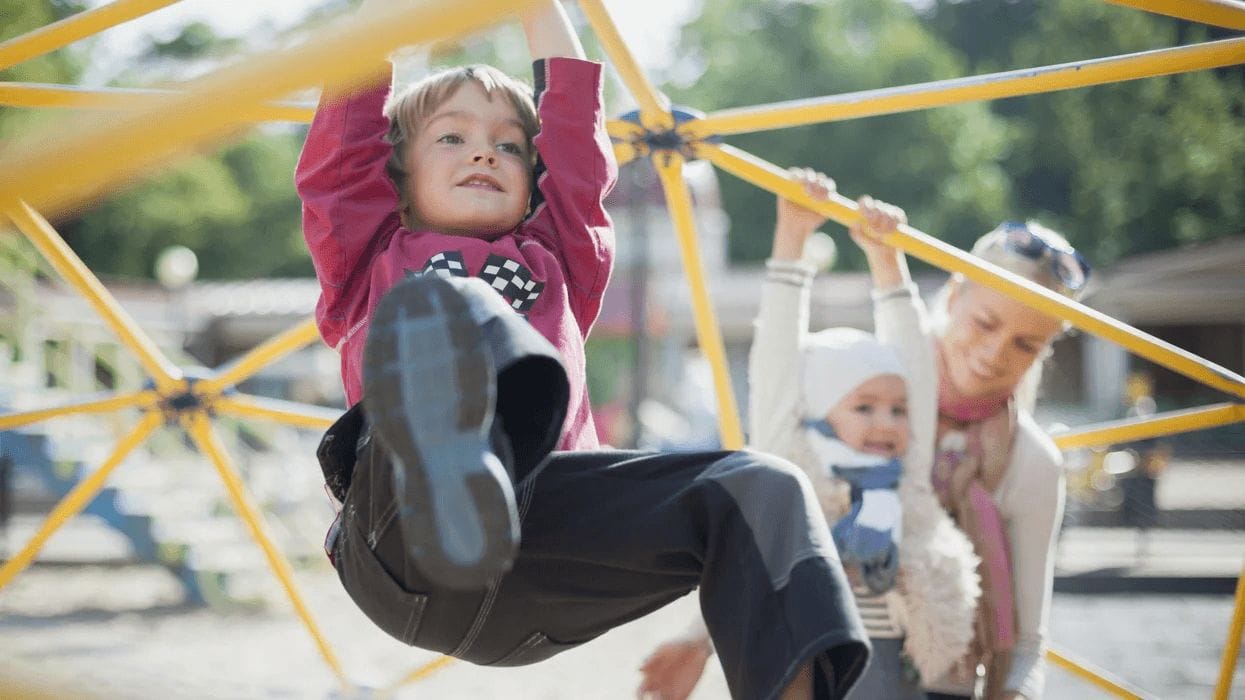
{"points": [[409, 109], [991, 247]]}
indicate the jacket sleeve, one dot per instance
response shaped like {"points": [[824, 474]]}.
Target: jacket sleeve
{"points": [[1033, 505], [900, 321], [575, 172], [350, 206]]}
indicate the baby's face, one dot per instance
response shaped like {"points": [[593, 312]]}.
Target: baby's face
{"points": [[874, 417], [470, 170]]}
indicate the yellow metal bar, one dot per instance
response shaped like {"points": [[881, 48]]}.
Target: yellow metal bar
{"points": [[616, 128], [1220, 13], [261, 356], [81, 159], [1096, 677], [42, 95], [78, 498], [139, 399], [952, 259], [628, 138], [1232, 649], [708, 334], [654, 107], [1168, 423], [287, 412], [418, 675], [907, 98], [80, 26], [165, 374], [200, 428]]}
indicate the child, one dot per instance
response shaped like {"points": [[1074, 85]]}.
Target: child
{"points": [[463, 387], [847, 407]]}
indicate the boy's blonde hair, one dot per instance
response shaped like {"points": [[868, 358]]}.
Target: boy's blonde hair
{"points": [[409, 109]]}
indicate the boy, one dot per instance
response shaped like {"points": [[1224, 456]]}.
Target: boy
{"points": [[463, 387]]}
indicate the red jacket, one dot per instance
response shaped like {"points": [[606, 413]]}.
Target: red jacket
{"points": [[553, 267]]}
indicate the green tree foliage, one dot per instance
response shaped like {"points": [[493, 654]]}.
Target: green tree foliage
{"points": [[1124, 168], [942, 165], [236, 209]]}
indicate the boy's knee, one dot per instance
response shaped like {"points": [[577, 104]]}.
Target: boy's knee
{"points": [[763, 481], [774, 500]]}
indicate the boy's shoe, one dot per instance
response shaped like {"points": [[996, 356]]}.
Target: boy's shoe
{"points": [[430, 391]]}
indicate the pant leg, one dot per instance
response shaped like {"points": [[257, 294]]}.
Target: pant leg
{"points": [[611, 536]]}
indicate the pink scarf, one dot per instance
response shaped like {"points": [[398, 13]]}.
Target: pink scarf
{"points": [[974, 445]]}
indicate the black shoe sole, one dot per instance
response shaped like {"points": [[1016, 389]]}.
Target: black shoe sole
{"points": [[429, 390]]}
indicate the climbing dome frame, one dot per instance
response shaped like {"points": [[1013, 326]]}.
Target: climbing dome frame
{"points": [[159, 125]]}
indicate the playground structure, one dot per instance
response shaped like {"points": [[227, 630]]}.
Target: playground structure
{"points": [[159, 125]]}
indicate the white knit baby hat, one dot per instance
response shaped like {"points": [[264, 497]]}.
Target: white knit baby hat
{"points": [[836, 361]]}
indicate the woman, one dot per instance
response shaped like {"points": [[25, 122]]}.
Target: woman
{"points": [[998, 474]]}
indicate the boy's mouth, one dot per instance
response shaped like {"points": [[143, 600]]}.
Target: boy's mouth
{"points": [[483, 182]]}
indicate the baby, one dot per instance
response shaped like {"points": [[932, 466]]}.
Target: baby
{"points": [[855, 418]]}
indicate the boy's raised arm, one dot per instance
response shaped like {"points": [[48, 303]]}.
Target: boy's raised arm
{"points": [[549, 32], [349, 203], [576, 167]]}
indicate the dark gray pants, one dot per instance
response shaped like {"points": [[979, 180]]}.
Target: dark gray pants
{"points": [[608, 537]]}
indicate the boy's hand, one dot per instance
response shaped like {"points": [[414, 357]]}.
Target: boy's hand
{"points": [[878, 220], [672, 671], [796, 222], [550, 33]]}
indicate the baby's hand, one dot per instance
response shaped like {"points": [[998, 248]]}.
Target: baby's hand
{"points": [[878, 220], [797, 222]]}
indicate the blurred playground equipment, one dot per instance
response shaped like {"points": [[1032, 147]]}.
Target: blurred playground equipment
{"points": [[157, 126]]}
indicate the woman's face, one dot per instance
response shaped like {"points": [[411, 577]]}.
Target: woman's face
{"points": [[991, 340]]}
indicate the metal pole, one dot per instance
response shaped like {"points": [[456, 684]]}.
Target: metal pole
{"points": [[1231, 650], [42, 95], [654, 107], [1028, 81], [639, 179], [164, 373], [1220, 13], [261, 356], [1094, 676], [708, 332], [77, 499], [921, 245], [1168, 423], [200, 428], [80, 26]]}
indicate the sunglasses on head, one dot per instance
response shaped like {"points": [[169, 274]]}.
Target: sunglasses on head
{"points": [[1068, 266]]}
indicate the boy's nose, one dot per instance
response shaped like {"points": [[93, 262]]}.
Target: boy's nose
{"points": [[485, 157]]}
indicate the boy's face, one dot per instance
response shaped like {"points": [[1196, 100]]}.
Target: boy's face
{"points": [[874, 417], [469, 167]]}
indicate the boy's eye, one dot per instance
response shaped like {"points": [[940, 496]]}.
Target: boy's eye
{"points": [[863, 408], [450, 138], [513, 149]]}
